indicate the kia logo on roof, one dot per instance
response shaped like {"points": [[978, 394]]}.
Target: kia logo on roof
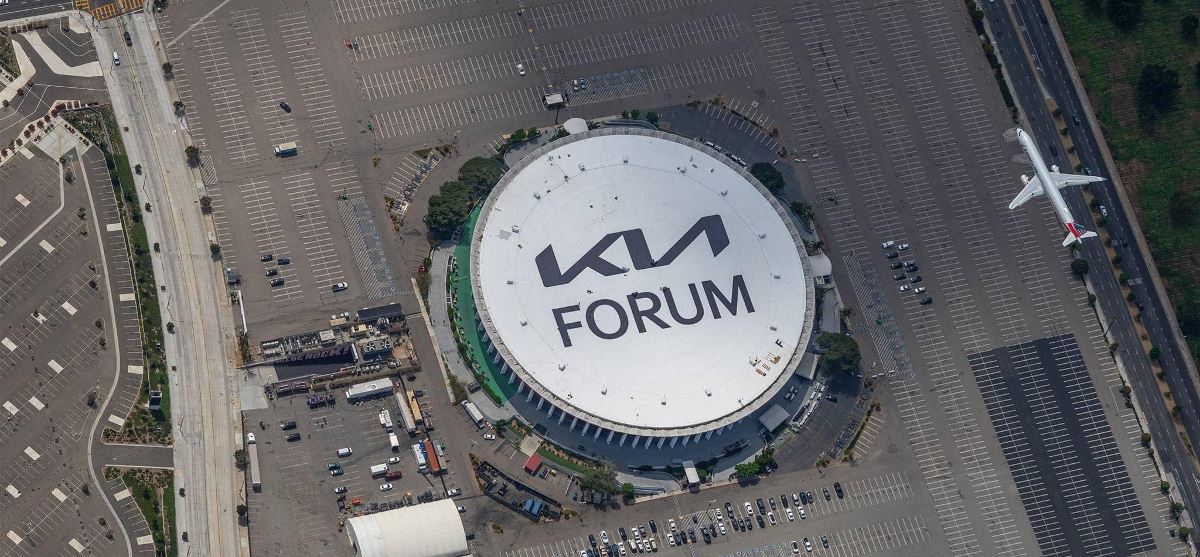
{"points": [[552, 274]]}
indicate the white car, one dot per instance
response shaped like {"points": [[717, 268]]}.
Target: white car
{"points": [[803, 515], [796, 499], [791, 515], [394, 460], [582, 553], [520, 69], [750, 509], [919, 290], [771, 517], [720, 517], [636, 533], [671, 541], [249, 437], [807, 545], [905, 288], [622, 548], [889, 244], [795, 548], [462, 509], [721, 526], [672, 523], [489, 436], [340, 287], [385, 487], [604, 536], [1103, 211], [902, 247]]}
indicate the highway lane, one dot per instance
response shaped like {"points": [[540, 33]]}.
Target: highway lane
{"points": [[204, 406], [17, 9], [1050, 71]]}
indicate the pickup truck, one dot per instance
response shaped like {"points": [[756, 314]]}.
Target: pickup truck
{"points": [[393, 475]]}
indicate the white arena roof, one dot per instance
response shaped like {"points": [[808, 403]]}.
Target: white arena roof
{"points": [[427, 530], [589, 261]]}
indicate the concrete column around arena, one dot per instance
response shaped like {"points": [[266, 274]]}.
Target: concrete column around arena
{"points": [[708, 434], [673, 441], [599, 430], [661, 440], [541, 401], [529, 395], [512, 377], [696, 438], [610, 436], [621, 443], [586, 427], [685, 441], [573, 421], [520, 387], [562, 416], [550, 412], [648, 440]]}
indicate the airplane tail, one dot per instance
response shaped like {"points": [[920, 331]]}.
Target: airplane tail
{"points": [[1070, 239]]}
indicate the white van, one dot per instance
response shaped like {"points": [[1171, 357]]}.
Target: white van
{"points": [[345, 451], [116, 59]]}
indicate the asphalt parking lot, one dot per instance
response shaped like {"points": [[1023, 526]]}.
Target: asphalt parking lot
{"points": [[1061, 450], [55, 316], [297, 509], [887, 509]]}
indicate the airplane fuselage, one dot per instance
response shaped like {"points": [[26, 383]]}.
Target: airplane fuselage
{"points": [[1048, 189]]}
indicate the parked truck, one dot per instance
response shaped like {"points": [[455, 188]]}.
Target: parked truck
{"points": [[379, 470]]}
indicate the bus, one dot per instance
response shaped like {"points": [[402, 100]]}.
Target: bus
{"points": [[419, 455], [286, 149]]}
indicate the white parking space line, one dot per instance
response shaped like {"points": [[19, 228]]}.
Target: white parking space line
{"points": [[264, 76], [315, 95], [314, 229], [217, 72]]}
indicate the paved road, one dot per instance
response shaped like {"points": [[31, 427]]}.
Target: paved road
{"points": [[145, 456], [17, 9], [206, 427], [1053, 76]]}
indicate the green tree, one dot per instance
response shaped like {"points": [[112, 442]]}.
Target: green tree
{"points": [[1124, 14], [1188, 26], [1146, 439], [168, 70], [517, 137], [628, 491], [803, 210], [1182, 210], [480, 174], [1155, 353], [1184, 533], [1176, 509], [241, 458], [215, 249], [1197, 71], [601, 480], [652, 117], [448, 209], [1079, 267], [841, 353], [770, 176], [1157, 92], [192, 153], [747, 470], [242, 510], [205, 204]]}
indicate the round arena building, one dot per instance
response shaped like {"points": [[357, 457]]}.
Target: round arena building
{"points": [[639, 287]]}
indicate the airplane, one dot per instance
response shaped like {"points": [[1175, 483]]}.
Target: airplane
{"points": [[1047, 182]]}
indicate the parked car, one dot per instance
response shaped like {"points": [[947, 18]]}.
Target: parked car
{"points": [[915, 279], [250, 437], [340, 287], [272, 271], [287, 424], [266, 257], [385, 487], [340, 489], [837, 488], [284, 261], [393, 460], [293, 436], [926, 301], [277, 281], [902, 247], [892, 255], [889, 244]]}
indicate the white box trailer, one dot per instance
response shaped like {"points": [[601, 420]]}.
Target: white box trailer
{"points": [[379, 469], [395, 441], [385, 420], [473, 412], [406, 418]]}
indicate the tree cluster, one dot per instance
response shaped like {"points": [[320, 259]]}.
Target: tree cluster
{"points": [[450, 207], [842, 354], [768, 175], [1157, 92]]}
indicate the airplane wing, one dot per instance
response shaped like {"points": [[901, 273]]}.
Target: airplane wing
{"points": [[1063, 180], [1032, 190]]}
